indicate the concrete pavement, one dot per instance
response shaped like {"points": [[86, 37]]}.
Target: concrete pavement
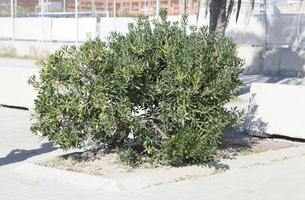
{"points": [[17, 146], [14, 89], [280, 179]]}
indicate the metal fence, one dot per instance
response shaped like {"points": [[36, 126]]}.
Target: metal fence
{"points": [[271, 23]]}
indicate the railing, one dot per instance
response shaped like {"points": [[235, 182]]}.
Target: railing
{"points": [[273, 23]]}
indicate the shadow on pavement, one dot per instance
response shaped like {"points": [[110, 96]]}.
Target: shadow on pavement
{"points": [[233, 142], [248, 79], [18, 155]]}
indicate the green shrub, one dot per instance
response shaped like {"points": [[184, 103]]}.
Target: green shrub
{"points": [[129, 156], [162, 86]]}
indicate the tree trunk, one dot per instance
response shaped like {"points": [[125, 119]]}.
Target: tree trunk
{"points": [[218, 16]]}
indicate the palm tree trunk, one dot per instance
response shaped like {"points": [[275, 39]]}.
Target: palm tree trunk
{"points": [[218, 16]]}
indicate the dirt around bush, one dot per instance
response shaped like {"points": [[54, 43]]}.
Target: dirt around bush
{"points": [[107, 164]]}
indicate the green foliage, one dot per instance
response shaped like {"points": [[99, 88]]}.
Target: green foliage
{"points": [[162, 86], [129, 156], [189, 147], [250, 151], [125, 13]]}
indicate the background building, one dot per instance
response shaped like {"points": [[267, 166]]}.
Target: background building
{"points": [[134, 7], [120, 7]]}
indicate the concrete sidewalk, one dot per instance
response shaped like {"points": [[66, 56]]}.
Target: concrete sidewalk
{"points": [[279, 181], [14, 89], [280, 177]]}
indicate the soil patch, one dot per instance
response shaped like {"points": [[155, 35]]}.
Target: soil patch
{"points": [[107, 164]]}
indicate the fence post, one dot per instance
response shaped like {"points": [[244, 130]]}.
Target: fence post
{"points": [[13, 20], [93, 6], [189, 7], [107, 5], [16, 8], [298, 27], [97, 26], [64, 6], [76, 20], [157, 8], [266, 24], [42, 18], [114, 8]]}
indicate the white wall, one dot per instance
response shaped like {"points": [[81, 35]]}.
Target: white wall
{"points": [[48, 29], [32, 28], [258, 59], [5, 27], [64, 29], [118, 24]]}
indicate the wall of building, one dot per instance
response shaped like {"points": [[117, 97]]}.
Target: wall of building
{"points": [[135, 7], [132, 7]]}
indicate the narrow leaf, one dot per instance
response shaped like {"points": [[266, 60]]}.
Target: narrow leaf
{"points": [[229, 12], [249, 12], [238, 9]]}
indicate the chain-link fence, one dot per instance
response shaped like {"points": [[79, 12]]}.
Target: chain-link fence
{"points": [[271, 22]]}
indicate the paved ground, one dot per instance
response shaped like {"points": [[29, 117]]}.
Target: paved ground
{"points": [[14, 74], [17, 63], [281, 180]]}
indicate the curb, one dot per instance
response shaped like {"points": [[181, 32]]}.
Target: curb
{"points": [[138, 182], [70, 177]]}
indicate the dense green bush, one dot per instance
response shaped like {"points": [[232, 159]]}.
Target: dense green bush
{"points": [[160, 87]]}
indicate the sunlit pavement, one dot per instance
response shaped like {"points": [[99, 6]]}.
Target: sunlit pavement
{"points": [[283, 179]]}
